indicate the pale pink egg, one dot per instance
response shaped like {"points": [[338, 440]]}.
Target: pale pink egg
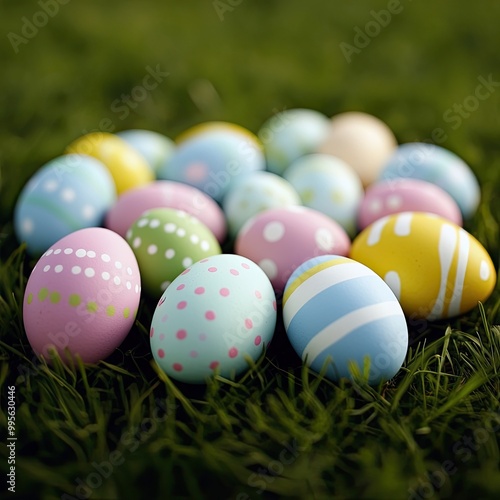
{"points": [[166, 194], [82, 295], [406, 195]]}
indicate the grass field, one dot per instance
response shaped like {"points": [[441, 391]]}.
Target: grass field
{"points": [[120, 429]]}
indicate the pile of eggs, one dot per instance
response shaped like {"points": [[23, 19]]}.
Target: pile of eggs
{"points": [[328, 222]]}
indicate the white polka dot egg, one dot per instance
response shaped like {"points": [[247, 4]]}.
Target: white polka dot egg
{"points": [[217, 312], [82, 295], [281, 239]]}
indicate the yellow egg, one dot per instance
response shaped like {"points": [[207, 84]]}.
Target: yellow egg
{"points": [[435, 268], [127, 167]]}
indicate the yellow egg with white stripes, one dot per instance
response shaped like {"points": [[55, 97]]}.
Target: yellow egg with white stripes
{"points": [[435, 268]]}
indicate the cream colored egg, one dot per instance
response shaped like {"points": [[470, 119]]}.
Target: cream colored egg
{"points": [[361, 140]]}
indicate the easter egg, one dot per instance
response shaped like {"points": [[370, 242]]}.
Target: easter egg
{"points": [[290, 134], [82, 295], [328, 185], [435, 164], [255, 193], [406, 195], [435, 268], [166, 242], [211, 156], [280, 239], [166, 194], [127, 167], [338, 312], [68, 193], [218, 311], [361, 140], [155, 148]]}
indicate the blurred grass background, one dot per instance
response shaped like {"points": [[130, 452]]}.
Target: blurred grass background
{"points": [[261, 57]]}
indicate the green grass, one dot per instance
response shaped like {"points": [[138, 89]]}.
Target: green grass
{"points": [[279, 431]]}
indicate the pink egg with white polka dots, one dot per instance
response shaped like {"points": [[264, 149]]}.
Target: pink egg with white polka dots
{"points": [[280, 239], [406, 195], [82, 296], [213, 315]]}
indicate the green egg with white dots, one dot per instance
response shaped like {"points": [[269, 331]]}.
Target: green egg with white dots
{"points": [[165, 242]]}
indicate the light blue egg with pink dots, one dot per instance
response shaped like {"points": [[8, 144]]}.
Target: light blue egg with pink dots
{"points": [[68, 193], [211, 317]]}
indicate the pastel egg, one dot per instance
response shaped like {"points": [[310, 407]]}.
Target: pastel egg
{"points": [[406, 195], [435, 164], [155, 148], [127, 167], [435, 268], [68, 193], [166, 242], [290, 134], [328, 185], [337, 312], [82, 295], [280, 239], [211, 156], [255, 193], [217, 312], [361, 140], [166, 194]]}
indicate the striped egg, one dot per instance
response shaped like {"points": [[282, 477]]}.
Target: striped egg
{"points": [[435, 268], [338, 312]]}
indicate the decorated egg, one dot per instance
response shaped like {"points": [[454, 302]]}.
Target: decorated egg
{"points": [[155, 148], [166, 242], [328, 185], [82, 295], [435, 268], [435, 164], [68, 193], [406, 195], [280, 239], [127, 167], [166, 194], [290, 134], [338, 313], [255, 193], [211, 156], [216, 313], [361, 140]]}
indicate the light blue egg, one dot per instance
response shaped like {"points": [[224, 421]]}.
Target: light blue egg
{"points": [[219, 311], [439, 166], [337, 311], [328, 185], [290, 134], [213, 158], [68, 193], [255, 193], [154, 147]]}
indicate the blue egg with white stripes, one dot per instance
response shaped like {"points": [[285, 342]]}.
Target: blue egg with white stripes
{"points": [[68, 193], [338, 314]]}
